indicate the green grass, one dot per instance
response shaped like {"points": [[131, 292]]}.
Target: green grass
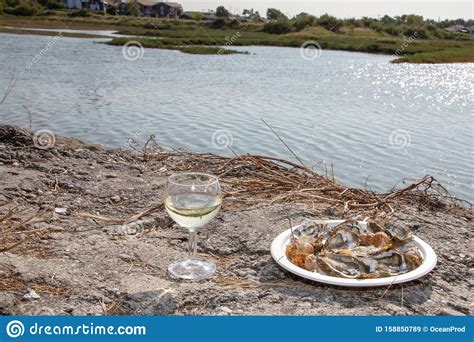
{"points": [[452, 55], [175, 44]]}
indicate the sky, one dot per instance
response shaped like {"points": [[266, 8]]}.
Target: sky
{"points": [[344, 8]]}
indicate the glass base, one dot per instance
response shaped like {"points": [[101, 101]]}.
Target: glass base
{"points": [[192, 269]]}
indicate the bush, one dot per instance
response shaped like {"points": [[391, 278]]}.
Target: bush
{"points": [[133, 9], [218, 23], [221, 23], [25, 8], [280, 26], [51, 4], [302, 22], [2, 6], [329, 22], [376, 26], [111, 10], [415, 32], [392, 30], [198, 16], [11, 3], [234, 24]]}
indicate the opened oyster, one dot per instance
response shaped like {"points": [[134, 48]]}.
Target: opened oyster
{"points": [[354, 251]]}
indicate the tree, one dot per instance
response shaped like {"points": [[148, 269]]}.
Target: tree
{"points": [[302, 15], [248, 12], [279, 26], [329, 22], [386, 19], [415, 20], [303, 21], [26, 8], [133, 9], [274, 14], [221, 11], [251, 14]]}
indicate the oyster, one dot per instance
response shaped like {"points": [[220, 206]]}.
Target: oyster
{"points": [[353, 250], [311, 229], [342, 238], [311, 263], [398, 233], [390, 263], [344, 266]]}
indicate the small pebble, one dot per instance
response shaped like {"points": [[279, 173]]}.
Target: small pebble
{"points": [[225, 309], [60, 211], [31, 295]]}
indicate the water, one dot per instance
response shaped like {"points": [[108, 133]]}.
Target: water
{"points": [[375, 122]]}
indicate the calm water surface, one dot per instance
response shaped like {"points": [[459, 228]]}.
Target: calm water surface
{"points": [[376, 122]]}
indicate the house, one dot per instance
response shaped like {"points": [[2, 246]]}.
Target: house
{"points": [[148, 8], [72, 4], [152, 8], [458, 28], [92, 5]]}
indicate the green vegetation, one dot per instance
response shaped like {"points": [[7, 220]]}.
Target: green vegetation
{"points": [[406, 37], [175, 44], [453, 55], [221, 11]]}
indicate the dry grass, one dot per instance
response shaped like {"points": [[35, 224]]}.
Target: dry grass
{"points": [[253, 179]]}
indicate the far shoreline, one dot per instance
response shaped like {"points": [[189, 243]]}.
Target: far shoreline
{"points": [[429, 52]]}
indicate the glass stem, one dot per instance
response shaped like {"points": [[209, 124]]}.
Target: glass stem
{"points": [[192, 246]]}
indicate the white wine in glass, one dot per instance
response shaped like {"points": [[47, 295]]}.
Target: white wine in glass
{"points": [[192, 200]]}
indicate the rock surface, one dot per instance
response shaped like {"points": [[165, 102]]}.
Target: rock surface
{"points": [[85, 266]]}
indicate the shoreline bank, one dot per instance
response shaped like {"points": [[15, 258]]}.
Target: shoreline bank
{"points": [[418, 51], [83, 227]]}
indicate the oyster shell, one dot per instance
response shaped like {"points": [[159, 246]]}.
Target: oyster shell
{"points": [[344, 266], [311, 229], [353, 250], [398, 233], [342, 238], [390, 263]]}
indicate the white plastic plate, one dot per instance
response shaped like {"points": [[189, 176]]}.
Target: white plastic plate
{"points": [[282, 240]]}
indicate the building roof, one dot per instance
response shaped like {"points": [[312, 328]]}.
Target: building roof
{"points": [[154, 2], [173, 4]]}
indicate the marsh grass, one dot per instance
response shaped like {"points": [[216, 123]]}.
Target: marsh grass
{"points": [[176, 44]]}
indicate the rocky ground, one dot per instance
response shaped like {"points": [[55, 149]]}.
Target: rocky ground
{"points": [[58, 259]]}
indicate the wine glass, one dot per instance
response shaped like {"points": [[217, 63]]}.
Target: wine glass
{"points": [[192, 200]]}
